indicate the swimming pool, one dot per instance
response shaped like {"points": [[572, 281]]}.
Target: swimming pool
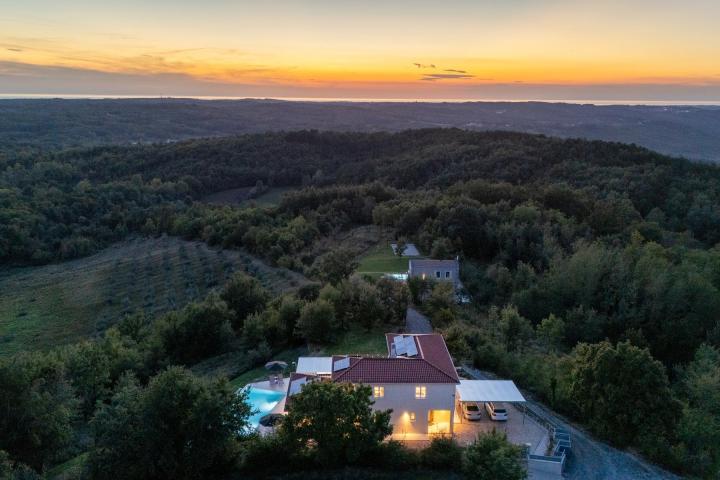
{"points": [[262, 402]]}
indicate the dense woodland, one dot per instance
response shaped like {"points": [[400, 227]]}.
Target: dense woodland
{"points": [[593, 269]]}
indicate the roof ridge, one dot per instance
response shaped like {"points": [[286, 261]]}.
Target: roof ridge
{"points": [[352, 366], [440, 370], [402, 359], [447, 350], [419, 346]]}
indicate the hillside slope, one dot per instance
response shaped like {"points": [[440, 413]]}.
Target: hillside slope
{"points": [[42, 307]]}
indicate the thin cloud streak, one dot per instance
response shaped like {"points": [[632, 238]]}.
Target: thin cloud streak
{"points": [[446, 76], [21, 78]]}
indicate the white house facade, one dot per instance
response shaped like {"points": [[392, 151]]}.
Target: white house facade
{"points": [[417, 381]]}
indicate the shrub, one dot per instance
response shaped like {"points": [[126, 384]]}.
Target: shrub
{"points": [[442, 454], [492, 457], [392, 456], [317, 322]]}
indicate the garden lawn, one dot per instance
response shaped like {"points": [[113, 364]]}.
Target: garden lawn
{"points": [[381, 259]]}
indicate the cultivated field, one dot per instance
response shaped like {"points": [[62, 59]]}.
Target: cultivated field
{"points": [[51, 305]]}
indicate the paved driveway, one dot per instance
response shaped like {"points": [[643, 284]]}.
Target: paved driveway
{"points": [[416, 322], [519, 430], [592, 459]]}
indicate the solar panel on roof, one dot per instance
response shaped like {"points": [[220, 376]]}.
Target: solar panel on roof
{"points": [[410, 347], [341, 364], [400, 346]]}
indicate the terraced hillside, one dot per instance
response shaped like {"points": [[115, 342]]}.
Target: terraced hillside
{"points": [[57, 304]]}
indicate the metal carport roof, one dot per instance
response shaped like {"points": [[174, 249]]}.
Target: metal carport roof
{"points": [[315, 365], [488, 391]]}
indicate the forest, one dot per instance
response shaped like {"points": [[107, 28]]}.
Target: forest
{"points": [[593, 270]]}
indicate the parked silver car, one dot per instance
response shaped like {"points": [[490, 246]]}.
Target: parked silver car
{"points": [[496, 411], [471, 411]]}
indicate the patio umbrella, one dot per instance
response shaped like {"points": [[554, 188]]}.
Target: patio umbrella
{"points": [[276, 365], [271, 419]]}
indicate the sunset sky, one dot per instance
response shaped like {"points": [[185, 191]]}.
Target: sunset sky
{"points": [[453, 49]]}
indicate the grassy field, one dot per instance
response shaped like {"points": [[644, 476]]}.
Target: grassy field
{"points": [[41, 307], [381, 259], [359, 341], [270, 198]]}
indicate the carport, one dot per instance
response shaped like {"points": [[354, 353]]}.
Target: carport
{"points": [[528, 433], [482, 391]]}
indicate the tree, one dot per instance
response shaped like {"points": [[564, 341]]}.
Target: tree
{"points": [[359, 303], [400, 247], [179, 426], [552, 331], [516, 329], [419, 288], [288, 315], [334, 265], [492, 457], [621, 391], [196, 332], [244, 295], [15, 471], [442, 248], [394, 297], [37, 408], [317, 322], [442, 297], [335, 423], [699, 427], [88, 368]]}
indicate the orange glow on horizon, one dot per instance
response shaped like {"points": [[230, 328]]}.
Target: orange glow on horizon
{"points": [[418, 46]]}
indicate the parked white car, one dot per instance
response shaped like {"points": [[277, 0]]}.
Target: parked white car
{"points": [[496, 411], [471, 410]]}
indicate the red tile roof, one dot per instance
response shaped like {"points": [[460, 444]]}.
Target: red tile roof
{"points": [[433, 364], [392, 370]]}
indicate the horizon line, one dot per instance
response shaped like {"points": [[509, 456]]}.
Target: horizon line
{"points": [[596, 102]]}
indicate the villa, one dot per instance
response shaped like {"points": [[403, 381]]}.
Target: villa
{"points": [[417, 380], [438, 270]]}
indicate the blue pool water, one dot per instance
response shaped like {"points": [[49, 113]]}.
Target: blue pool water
{"points": [[262, 402]]}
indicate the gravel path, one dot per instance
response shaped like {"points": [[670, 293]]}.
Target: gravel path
{"points": [[416, 322], [592, 459]]}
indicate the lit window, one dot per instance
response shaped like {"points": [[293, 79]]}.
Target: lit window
{"points": [[447, 274], [412, 416], [378, 392], [437, 274], [420, 392]]}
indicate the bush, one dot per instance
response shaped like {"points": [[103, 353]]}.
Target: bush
{"points": [[317, 322], [392, 456], [260, 455], [492, 457], [442, 454]]}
